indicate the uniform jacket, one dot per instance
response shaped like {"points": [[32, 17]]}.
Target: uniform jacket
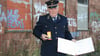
{"points": [[58, 29]]}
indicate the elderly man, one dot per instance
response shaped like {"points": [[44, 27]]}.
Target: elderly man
{"points": [[56, 25]]}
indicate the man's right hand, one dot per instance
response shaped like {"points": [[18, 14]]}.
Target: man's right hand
{"points": [[44, 37]]}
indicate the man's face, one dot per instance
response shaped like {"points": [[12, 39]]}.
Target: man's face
{"points": [[53, 11]]}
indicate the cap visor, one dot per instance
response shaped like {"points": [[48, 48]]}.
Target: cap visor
{"points": [[52, 7]]}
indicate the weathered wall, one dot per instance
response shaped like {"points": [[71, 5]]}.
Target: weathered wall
{"points": [[16, 20], [94, 23], [19, 14], [3, 15], [18, 17], [71, 14]]}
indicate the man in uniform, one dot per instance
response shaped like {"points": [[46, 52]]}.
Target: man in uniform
{"points": [[54, 23]]}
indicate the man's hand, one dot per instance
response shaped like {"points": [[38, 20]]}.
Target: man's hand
{"points": [[73, 40], [44, 37]]}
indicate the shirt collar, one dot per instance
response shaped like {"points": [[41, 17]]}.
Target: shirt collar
{"points": [[55, 17]]}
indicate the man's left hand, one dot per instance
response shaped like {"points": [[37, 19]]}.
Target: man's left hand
{"points": [[74, 40]]}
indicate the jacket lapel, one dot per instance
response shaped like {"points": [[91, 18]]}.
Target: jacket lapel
{"points": [[58, 19], [49, 19]]}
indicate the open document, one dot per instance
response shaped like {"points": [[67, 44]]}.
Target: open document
{"points": [[75, 48]]}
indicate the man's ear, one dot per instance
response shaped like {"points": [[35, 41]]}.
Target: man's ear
{"points": [[57, 7], [48, 9]]}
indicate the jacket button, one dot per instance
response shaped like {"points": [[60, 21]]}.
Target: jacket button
{"points": [[55, 27], [46, 26], [64, 26], [56, 37], [55, 32]]}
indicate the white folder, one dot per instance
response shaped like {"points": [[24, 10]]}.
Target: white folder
{"points": [[75, 48]]}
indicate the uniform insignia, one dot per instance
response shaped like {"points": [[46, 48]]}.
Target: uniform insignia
{"points": [[64, 26], [59, 17], [46, 26], [48, 17]]}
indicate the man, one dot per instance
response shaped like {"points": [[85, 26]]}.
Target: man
{"points": [[54, 23]]}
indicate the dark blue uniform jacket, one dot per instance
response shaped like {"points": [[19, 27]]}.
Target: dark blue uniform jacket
{"points": [[58, 29]]}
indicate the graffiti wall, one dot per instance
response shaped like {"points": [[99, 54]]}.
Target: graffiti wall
{"points": [[40, 8], [0, 27], [19, 14], [72, 15], [72, 22], [3, 16], [95, 21], [61, 7]]}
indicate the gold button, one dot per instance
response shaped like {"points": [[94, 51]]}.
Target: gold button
{"points": [[64, 26], [46, 26], [55, 32], [55, 27], [56, 37]]}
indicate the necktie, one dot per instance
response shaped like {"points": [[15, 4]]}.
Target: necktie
{"points": [[55, 19]]}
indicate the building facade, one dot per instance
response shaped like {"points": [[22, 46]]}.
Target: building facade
{"points": [[18, 18]]}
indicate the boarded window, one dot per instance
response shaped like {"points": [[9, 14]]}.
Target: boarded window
{"points": [[83, 1], [82, 15]]}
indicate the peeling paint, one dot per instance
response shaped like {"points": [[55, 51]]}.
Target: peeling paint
{"points": [[0, 27], [72, 22], [20, 1], [39, 9], [95, 21], [13, 21], [2, 15]]}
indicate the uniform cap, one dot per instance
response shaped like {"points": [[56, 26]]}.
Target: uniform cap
{"points": [[52, 3]]}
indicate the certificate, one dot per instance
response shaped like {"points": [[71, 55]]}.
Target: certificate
{"points": [[75, 48]]}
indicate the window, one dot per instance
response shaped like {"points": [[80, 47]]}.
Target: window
{"points": [[83, 1], [82, 15]]}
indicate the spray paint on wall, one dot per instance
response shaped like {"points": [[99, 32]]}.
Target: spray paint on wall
{"points": [[39, 9], [13, 21], [0, 27], [2, 18], [20, 1], [0, 8], [72, 22], [95, 26], [95, 21], [2, 15]]}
